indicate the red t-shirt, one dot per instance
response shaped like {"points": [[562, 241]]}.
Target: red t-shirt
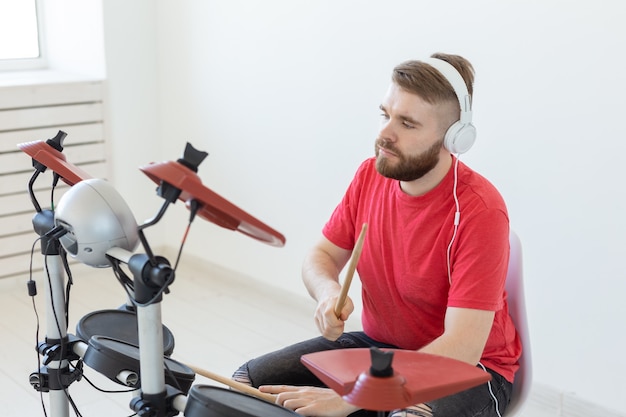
{"points": [[403, 265]]}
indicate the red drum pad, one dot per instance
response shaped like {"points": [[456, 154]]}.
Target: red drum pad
{"points": [[214, 208], [46, 155], [417, 377]]}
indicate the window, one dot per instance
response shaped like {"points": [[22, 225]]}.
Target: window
{"points": [[20, 35]]}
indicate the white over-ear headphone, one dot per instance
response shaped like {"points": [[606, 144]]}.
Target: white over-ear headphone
{"points": [[461, 135]]}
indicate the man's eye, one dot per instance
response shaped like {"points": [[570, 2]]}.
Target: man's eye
{"points": [[384, 116], [408, 125]]}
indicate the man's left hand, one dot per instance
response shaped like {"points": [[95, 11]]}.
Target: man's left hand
{"points": [[310, 401]]}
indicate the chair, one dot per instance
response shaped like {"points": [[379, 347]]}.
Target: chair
{"points": [[517, 308]]}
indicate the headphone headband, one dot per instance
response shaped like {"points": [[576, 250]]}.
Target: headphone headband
{"points": [[458, 84], [462, 134]]}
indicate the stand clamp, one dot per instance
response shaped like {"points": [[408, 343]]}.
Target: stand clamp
{"points": [[160, 405], [47, 378], [152, 277]]}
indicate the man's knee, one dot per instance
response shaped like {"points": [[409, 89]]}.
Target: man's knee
{"points": [[420, 410], [242, 375]]}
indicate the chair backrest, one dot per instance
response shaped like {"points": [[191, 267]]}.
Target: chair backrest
{"points": [[517, 309]]}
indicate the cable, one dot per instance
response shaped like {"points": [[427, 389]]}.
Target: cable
{"points": [[72, 403], [180, 249], [491, 392], [122, 278], [105, 390], [32, 292], [68, 286], [55, 315], [457, 217], [31, 192], [158, 294], [194, 206], [55, 181], [126, 282], [62, 337]]}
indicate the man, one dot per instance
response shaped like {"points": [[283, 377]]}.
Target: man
{"points": [[434, 262]]}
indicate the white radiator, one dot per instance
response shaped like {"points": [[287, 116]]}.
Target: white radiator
{"points": [[37, 112]]}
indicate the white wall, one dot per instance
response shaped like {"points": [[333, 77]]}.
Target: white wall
{"points": [[284, 96], [74, 36], [132, 77]]}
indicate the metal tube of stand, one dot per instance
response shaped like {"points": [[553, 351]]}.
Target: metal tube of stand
{"points": [[150, 332], [56, 328], [80, 348], [179, 403]]}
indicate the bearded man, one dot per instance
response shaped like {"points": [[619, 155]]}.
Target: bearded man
{"points": [[434, 263]]}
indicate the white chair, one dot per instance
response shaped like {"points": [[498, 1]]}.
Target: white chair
{"points": [[517, 308]]}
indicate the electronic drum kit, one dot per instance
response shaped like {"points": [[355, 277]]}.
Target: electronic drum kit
{"points": [[130, 345]]}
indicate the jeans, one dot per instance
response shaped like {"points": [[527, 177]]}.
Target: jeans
{"points": [[283, 367]]}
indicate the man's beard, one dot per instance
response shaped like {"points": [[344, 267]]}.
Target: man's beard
{"points": [[407, 168]]}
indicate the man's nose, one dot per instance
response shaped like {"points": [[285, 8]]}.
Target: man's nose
{"points": [[386, 132]]}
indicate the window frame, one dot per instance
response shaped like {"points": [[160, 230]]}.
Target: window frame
{"points": [[25, 64]]}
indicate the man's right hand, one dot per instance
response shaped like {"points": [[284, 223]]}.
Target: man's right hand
{"points": [[320, 273], [329, 325]]}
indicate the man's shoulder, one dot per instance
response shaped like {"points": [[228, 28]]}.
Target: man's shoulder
{"points": [[367, 170], [478, 186], [368, 165]]}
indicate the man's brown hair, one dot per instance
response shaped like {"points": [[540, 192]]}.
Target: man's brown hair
{"points": [[422, 79]]}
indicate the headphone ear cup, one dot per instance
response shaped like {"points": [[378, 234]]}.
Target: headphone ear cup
{"points": [[460, 137]]}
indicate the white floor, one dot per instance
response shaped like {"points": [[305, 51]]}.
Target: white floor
{"points": [[219, 320]]}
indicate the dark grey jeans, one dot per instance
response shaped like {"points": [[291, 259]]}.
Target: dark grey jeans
{"points": [[283, 367]]}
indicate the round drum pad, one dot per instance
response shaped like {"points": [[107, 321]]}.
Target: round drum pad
{"points": [[209, 401], [117, 324], [110, 357]]}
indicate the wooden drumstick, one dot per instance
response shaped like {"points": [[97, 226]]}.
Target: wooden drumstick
{"points": [[246, 389], [356, 254]]}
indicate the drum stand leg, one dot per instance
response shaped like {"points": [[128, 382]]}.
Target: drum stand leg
{"points": [[55, 376]]}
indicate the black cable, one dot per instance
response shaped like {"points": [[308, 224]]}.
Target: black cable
{"points": [[62, 338], [31, 192], [107, 391], [55, 181], [68, 286], [72, 403], [180, 249], [121, 276], [32, 291], [56, 317], [194, 206], [158, 294], [129, 282]]}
